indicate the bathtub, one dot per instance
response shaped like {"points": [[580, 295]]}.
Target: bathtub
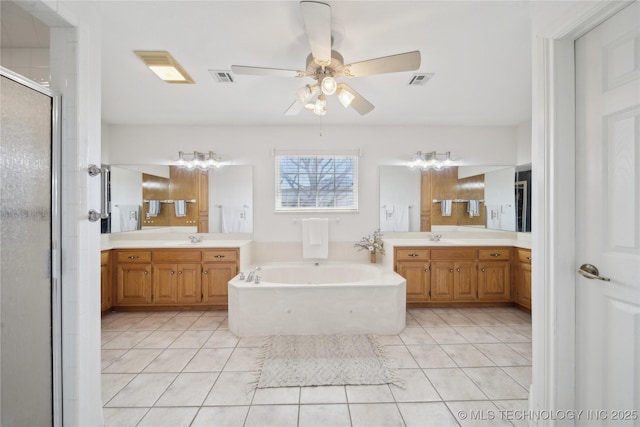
{"points": [[312, 299]]}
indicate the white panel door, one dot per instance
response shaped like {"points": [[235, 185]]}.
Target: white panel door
{"points": [[607, 220]]}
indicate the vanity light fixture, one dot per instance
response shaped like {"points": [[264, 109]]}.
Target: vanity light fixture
{"points": [[164, 66], [198, 160], [430, 160]]}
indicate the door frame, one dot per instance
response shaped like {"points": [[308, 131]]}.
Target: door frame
{"points": [[553, 200], [56, 235]]}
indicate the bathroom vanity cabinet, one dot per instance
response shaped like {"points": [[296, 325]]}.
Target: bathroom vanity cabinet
{"points": [[106, 289], [452, 275], [523, 278], [146, 278]]}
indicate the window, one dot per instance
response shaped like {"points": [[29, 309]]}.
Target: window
{"points": [[316, 182]]}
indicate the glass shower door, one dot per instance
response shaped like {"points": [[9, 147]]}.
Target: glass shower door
{"points": [[26, 267]]}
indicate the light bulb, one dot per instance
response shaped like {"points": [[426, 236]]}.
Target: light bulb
{"points": [[345, 97], [329, 85]]}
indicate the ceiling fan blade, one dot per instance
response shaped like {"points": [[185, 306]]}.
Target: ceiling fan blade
{"points": [[358, 103], [294, 109], [262, 71], [408, 61], [317, 24]]}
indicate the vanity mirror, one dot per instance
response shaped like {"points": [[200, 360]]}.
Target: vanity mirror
{"points": [[144, 197], [483, 197]]}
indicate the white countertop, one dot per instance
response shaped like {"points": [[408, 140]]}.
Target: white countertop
{"points": [[175, 244], [458, 242]]}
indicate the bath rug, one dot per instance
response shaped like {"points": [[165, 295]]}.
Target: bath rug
{"points": [[317, 360]]}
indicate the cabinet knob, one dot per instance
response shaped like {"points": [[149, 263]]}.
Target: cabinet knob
{"points": [[219, 256], [528, 258], [451, 270], [146, 272], [495, 255], [427, 269], [414, 255], [458, 269], [180, 272], [483, 270], [133, 257], [205, 272], [173, 272]]}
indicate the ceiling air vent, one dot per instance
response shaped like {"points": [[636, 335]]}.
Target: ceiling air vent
{"points": [[420, 79], [222, 76]]}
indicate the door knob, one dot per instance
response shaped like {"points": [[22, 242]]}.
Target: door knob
{"points": [[591, 272]]}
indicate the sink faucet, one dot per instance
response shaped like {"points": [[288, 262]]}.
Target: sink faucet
{"points": [[435, 237], [196, 239], [251, 275]]}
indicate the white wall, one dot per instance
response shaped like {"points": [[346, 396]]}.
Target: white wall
{"points": [[523, 156], [254, 145]]}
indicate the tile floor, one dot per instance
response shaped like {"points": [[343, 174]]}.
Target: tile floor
{"points": [[468, 366]]}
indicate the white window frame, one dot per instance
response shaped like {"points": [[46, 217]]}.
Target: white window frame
{"points": [[311, 154]]}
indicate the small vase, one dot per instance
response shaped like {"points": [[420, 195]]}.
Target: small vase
{"points": [[373, 258]]}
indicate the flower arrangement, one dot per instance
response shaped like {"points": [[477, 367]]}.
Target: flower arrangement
{"points": [[372, 243]]}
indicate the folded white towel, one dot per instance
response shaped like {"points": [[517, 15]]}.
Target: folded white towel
{"points": [[154, 207], [315, 237], [181, 207], [473, 208], [445, 207]]}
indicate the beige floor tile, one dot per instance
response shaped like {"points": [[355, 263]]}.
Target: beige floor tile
{"points": [[168, 417], [208, 323], [369, 393], [232, 388], [432, 414], [467, 355], [209, 360], [431, 356], [113, 383], [123, 417], [133, 361], [477, 413], [430, 320], [191, 339], [502, 355], [127, 339], [416, 387], [277, 395], [223, 416], [496, 384], [456, 319], [171, 360], [375, 415], [272, 416], [323, 394], [446, 335], [416, 336], [142, 391], [178, 323], [454, 384], [400, 357], [507, 334], [522, 374], [109, 356], [222, 338], [159, 339], [188, 389], [515, 411], [476, 334], [149, 323], [324, 415], [243, 359]]}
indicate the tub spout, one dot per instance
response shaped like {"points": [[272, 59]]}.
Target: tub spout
{"points": [[251, 275]]}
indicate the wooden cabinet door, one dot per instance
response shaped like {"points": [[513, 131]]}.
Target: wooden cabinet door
{"points": [[418, 280], [133, 284], [523, 288], [442, 279], [105, 287], [215, 279], [189, 283], [465, 285], [494, 280], [165, 280]]}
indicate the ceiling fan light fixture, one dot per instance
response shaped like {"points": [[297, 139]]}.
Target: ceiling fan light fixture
{"points": [[329, 85], [320, 107], [305, 93], [345, 97]]}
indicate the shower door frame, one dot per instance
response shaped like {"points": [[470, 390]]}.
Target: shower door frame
{"points": [[56, 235]]}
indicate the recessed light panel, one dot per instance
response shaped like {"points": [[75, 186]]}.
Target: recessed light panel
{"points": [[164, 66]]}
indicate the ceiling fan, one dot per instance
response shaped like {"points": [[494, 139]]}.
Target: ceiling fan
{"points": [[324, 65]]}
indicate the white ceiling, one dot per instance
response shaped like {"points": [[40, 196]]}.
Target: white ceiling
{"points": [[480, 53]]}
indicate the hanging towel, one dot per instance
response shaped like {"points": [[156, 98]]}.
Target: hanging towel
{"points": [[181, 207], [233, 219], [315, 237], [154, 207], [401, 219], [445, 207], [129, 217], [473, 208]]}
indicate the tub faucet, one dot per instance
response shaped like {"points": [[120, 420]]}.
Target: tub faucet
{"points": [[251, 275]]}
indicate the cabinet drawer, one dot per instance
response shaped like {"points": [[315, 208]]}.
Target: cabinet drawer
{"points": [[134, 256], [524, 255], [454, 253], [495, 253], [411, 254], [104, 257], [220, 255], [177, 255]]}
